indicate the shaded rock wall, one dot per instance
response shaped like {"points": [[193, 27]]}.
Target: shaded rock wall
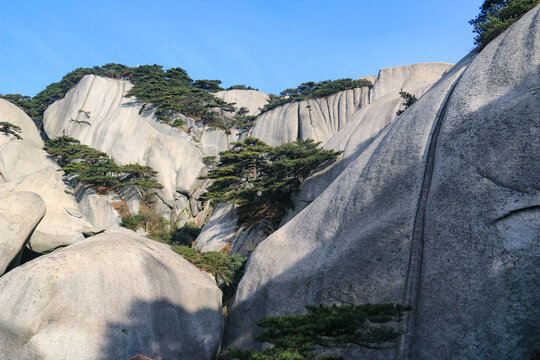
{"points": [[439, 211]]}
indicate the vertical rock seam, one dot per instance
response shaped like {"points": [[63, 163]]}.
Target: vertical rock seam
{"points": [[414, 270]]}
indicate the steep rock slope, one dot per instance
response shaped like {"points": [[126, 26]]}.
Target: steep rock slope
{"points": [[24, 166], [320, 119], [111, 296], [367, 122], [440, 211]]}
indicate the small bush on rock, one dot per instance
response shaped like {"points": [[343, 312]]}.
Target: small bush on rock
{"points": [[217, 263], [409, 100]]}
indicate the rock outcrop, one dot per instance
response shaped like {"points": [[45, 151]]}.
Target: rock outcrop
{"points": [[441, 211], [367, 122], [96, 112], [24, 166], [219, 230], [252, 100], [111, 296], [20, 212], [320, 119], [222, 231]]}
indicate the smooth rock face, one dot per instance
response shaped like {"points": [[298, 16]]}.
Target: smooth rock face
{"points": [[439, 211], [97, 208], [20, 212], [250, 99], [316, 119], [320, 119], [26, 167], [96, 112], [219, 230], [215, 140], [111, 296], [222, 231], [248, 238]]}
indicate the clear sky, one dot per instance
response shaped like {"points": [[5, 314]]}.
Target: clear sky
{"points": [[270, 45]]}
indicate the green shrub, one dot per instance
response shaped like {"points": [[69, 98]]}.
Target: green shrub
{"points": [[130, 221], [217, 263], [174, 90], [242, 121], [185, 235], [324, 328], [496, 16], [156, 226], [241, 87], [312, 90], [409, 100], [178, 122]]}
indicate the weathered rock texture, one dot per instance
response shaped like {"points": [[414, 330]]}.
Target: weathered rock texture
{"points": [[251, 99], [111, 296], [367, 122], [441, 211], [98, 208], [96, 112], [320, 119], [24, 166], [20, 212]]}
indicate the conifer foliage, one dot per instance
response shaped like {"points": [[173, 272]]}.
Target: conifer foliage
{"points": [[299, 337], [165, 90], [496, 16], [97, 169], [409, 100], [260, 178], [10, 129], [312, 90]]}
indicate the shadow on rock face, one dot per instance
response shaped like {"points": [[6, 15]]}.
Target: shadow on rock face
{"points": [[154, 330], [475, 289]]}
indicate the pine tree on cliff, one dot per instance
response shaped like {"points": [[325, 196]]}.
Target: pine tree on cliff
{"points": [[302, 337], [9, 129], [95, 168], [261, 178]]}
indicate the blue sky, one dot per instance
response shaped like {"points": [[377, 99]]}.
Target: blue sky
{"points": [[270, 45]]}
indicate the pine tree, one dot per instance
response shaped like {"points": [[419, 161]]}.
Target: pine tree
{"points": [[496, 16], [10, 129], [260, 178], [409, 100], [298, 337], [95, 168]]}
